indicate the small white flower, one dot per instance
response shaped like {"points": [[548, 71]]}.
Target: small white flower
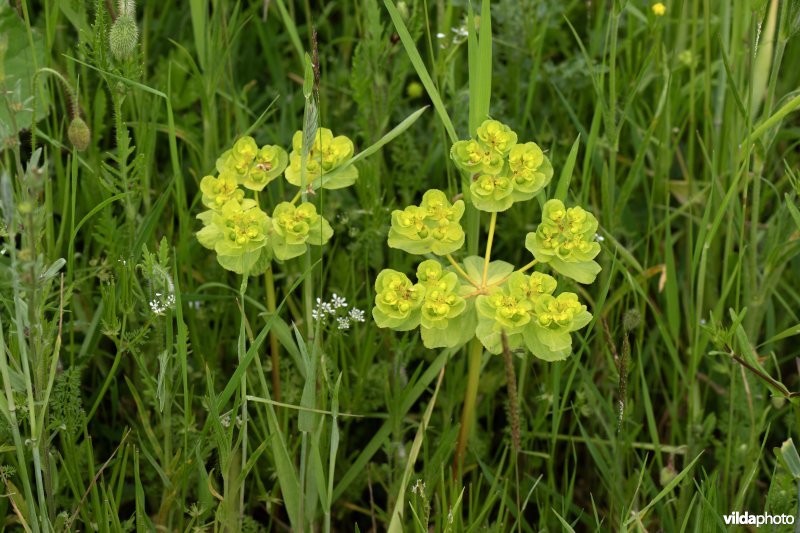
{"points": [[356, 315], [338, 302], [440, 35], [343, 323], [598, 237]]}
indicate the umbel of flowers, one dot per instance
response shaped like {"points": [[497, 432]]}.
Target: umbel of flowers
{"points": [[452, 302], [245, 238]]}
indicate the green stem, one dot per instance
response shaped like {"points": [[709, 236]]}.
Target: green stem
{"points": [[241, 352], [18, 442], [274, 348], [470, 397], [490, 240], [519, 271], [528, 266], [462, 272]]}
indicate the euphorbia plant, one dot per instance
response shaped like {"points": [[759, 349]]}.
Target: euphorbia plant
{"points": [[245, 238], [479, 299]]}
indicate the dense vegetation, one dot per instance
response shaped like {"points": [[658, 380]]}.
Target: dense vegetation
{"points": [[147, 387]]}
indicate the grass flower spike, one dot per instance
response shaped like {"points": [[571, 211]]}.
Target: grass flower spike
{"points": [[432, 227], [565, 241], [327, 154]]}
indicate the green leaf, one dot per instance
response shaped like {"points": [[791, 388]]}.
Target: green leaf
{"points": [[585, 272], [498, 270], [17, 70], [263, 263], [395, 526], [542, 350], [566, 171], [458, 332], [241, 264], [419, 66], [790, 457], [793, 210], [489, 333], [308, 77]]}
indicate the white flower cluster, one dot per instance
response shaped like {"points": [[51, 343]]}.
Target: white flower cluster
{"points": [[162, 290], [161, 303], [337, 311]]}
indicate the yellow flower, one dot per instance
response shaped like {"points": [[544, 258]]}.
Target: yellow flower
{"points": [[659, 9]]}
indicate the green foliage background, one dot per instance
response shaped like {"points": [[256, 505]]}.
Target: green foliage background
{"points": [[116, 417]]}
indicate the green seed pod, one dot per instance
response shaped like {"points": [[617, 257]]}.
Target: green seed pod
{"points": [[79, 134], [123, 36]]}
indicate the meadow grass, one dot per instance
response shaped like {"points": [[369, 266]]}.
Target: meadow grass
{"points": [[138, 376]]}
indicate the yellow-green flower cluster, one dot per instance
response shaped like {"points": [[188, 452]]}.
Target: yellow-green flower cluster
{"points": [[325, 164], [433, 226], [525, 309], [295, 227], [480, 297], [501, 170], [435, 304], [252, 166], [397, 301], [239, 233], [220, 190], [565, 240], [243, 236]]}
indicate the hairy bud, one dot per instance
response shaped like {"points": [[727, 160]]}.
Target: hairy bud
{"points": [[79, 134], [123, 36], [631, 319]]}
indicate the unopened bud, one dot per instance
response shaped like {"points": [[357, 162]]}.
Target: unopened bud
{"points": [[631, 319], [79, 134], [666, 475], [123, 36]]}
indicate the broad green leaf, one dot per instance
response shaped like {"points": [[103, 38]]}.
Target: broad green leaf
{"points": [[540, 349], [458, 332], [788, 452], [18, 63], [498, 270], [585, 272]]}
